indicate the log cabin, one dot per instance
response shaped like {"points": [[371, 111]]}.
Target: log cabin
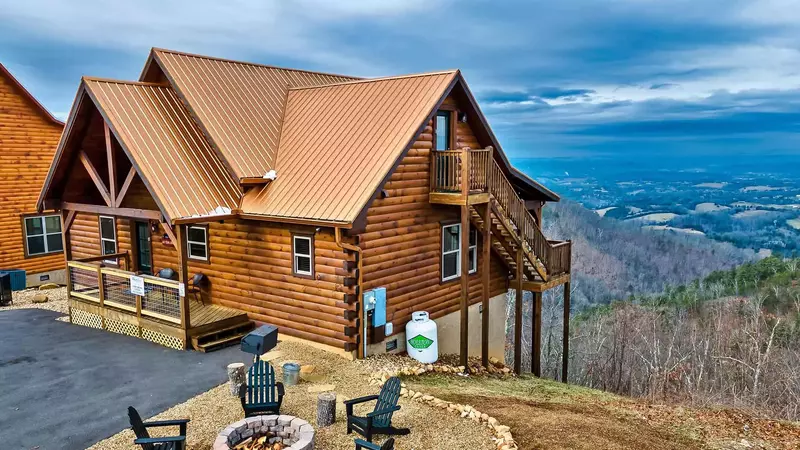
{"points": [[286, 196], [30, 240]]}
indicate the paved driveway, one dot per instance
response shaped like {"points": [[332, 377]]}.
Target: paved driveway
{"points": [[65, 386]]}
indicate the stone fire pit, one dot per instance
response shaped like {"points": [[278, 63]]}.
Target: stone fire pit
{"points": [[289, 432]]}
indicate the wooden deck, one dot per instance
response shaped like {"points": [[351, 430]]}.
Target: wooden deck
{"points": [[101, 297]]}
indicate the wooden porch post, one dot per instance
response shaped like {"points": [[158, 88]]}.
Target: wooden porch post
{"points": [[487, 244], [536, 339], [464, 285], [518, 314], [565, 343], [183, 276]]}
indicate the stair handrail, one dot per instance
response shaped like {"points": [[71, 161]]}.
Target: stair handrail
{"points": [[555, 258]]}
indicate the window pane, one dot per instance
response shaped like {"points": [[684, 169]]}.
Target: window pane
{"points": [[107, 228], [443, 131], [473, 237], [35, 245], [450, 237], [303, 264], [33, 226], [52, 224], [109, 247], [450, 265], [473, 261], [302, 246], [54, 243], [197, 251], [197, 234]]}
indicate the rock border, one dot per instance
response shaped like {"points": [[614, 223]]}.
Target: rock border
{"points": [[502, 433]]}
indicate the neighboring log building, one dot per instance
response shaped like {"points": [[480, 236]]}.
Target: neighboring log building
{"points": [[294, 193], [29, 135]]}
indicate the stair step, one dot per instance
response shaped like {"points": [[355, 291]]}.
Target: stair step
{"points": [[216, 339], [220, 343]]}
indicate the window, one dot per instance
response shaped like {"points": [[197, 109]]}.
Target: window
{"points": [[451, 251], [473, 250], [302, 251], [43, 235], [443, 140], [197, 243], [108, 237]]}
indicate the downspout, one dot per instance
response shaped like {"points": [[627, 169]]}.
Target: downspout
{"points": [[362, 350]]}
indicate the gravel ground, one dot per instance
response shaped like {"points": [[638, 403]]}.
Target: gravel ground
{"points": [[210, 412], [57, 300]]}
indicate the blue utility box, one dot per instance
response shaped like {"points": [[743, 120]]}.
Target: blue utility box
{"points": [[18, 281]]}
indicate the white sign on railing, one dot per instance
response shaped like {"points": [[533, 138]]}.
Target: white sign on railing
{"points": [[182, 289], [137, 285]]}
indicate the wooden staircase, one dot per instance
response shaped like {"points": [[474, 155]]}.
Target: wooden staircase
{"points": [[476, 178], [222, 337]]}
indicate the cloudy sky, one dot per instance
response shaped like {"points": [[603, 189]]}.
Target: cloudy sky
{"points": [[568, 78]]}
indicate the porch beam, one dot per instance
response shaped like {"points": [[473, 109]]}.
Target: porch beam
{"points": [[487, 248], [98, 182], [123, 212], [168, 229], [112, 166], [536, 339], [125, 186], [183, 277], [68, 221], [464, 344], [518, 315]]}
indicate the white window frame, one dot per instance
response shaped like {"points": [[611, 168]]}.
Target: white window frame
{"points": [[104, 239], [43, 235], [473, 260], [296, 255], [204, 244], [457, 251]]}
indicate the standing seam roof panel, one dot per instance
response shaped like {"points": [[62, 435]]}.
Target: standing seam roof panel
{"points": [[338, 142]]}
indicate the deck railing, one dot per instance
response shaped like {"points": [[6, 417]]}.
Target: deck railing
{"points": [[483, 174], [111, 287]]}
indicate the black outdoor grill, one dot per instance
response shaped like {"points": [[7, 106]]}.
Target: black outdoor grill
{"points": [[261, 340], [5, 289]]}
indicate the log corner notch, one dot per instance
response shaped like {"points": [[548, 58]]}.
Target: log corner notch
{"points": [[355, 283]]}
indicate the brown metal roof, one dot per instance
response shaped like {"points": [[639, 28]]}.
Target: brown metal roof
{"points": [[340, 141], [239, 105], [174, 159]]}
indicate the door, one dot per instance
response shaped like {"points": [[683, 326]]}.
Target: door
{"points": [[143, 250]]}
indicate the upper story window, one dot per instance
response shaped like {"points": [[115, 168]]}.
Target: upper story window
{"points": [[197, 243], [443, 130], [43, 235], [302, 254], [108, 236]]}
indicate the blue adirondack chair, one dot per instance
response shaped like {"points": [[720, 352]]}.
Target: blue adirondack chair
{"points": [[379, 421], [388, 445], [159, 443], [261, 394]]}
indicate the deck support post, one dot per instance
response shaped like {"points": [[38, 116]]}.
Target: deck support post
{"points": [[536, 339], [464, 285], [183, 277], [565, 337], [486, 259], [518, 314]]}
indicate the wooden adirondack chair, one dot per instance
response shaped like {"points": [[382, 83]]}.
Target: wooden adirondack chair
{"points": [[379, 421], [261, 394], [388, 445], [161, 443]]}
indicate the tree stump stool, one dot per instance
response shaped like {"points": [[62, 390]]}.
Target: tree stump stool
{"points": [[236, 377], [326, 409]]}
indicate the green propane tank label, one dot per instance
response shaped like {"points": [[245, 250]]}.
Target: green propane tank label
{"points": [[420, 342]]}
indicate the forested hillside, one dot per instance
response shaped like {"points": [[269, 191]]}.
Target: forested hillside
{"points": [[614, 259]]}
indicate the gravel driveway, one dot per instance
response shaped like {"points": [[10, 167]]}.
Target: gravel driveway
{"points": [[65, 386]]}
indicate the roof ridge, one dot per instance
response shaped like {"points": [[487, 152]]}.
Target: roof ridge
{"points": [[112, 80], [370, 80], [29, 95], [247, 63]]}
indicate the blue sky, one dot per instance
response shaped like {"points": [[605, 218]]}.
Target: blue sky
{"points": [[575, 78]]}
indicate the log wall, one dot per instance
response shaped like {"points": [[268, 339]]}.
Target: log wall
{"points": [[28, 141], [402, 240]]}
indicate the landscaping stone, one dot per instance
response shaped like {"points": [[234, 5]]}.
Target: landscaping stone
{"points": [[40, 298], [48, 286]]}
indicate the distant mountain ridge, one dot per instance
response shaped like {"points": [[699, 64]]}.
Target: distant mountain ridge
{"points": [[613, 259]]}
